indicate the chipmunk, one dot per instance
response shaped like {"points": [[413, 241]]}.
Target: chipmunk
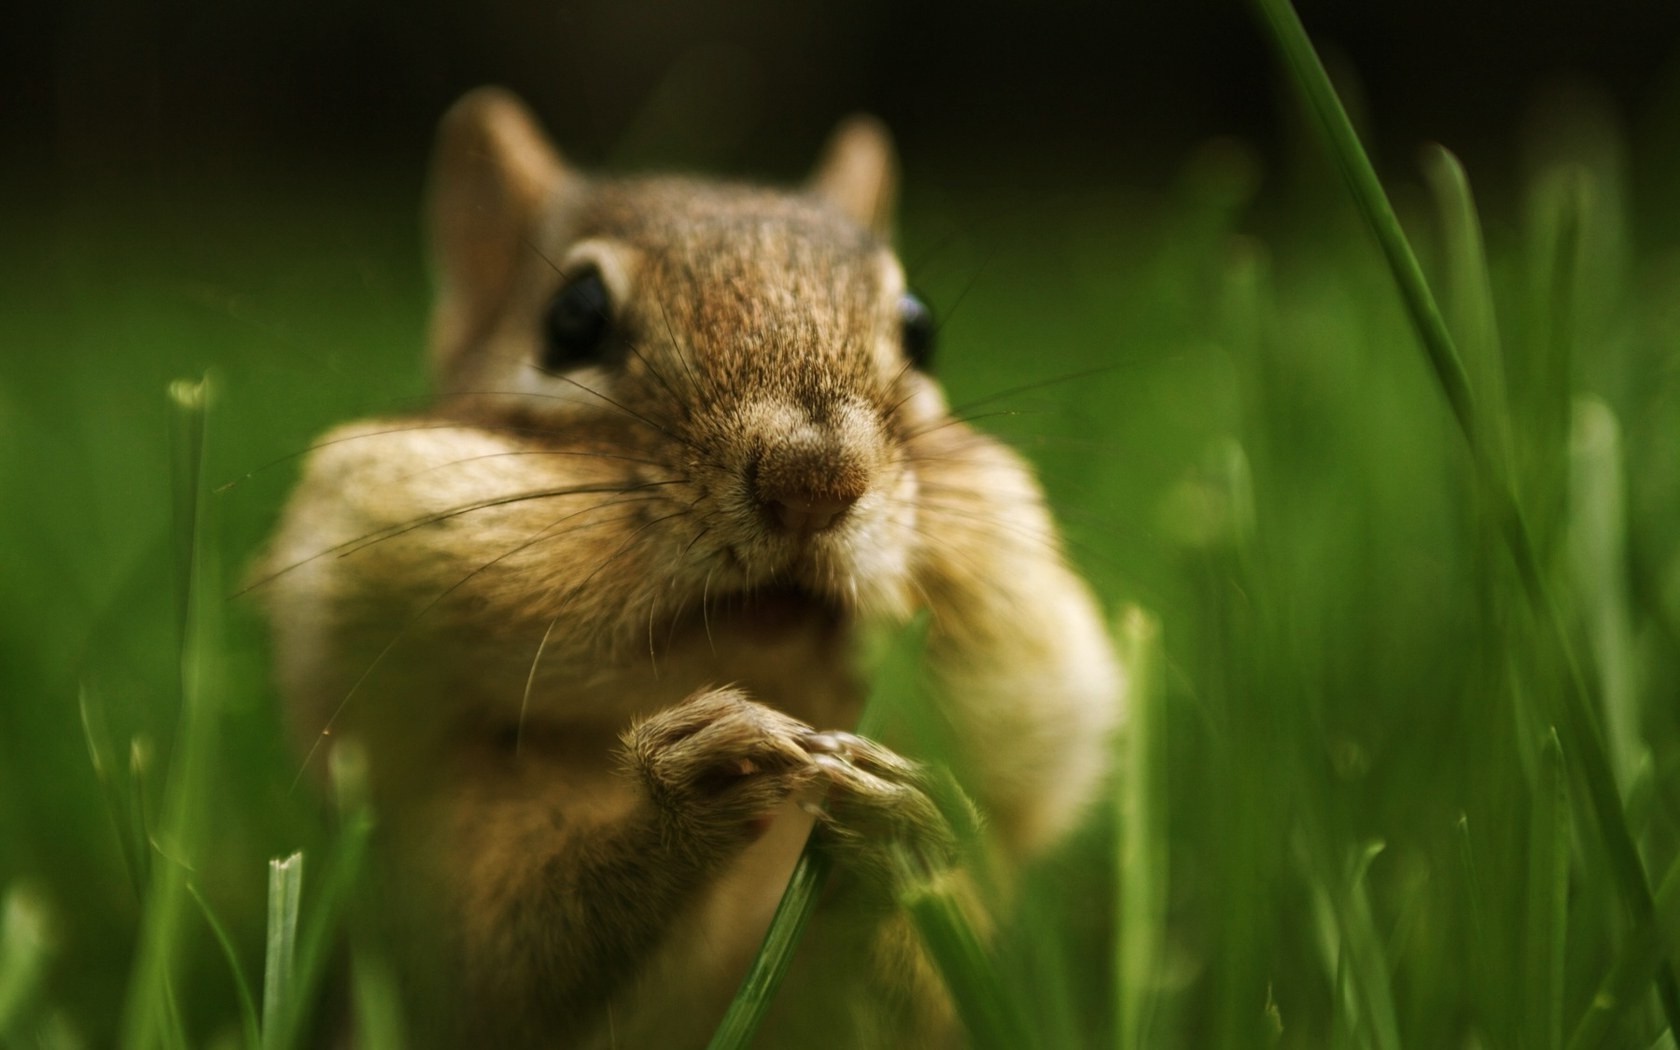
{"points": [[594, 615]]}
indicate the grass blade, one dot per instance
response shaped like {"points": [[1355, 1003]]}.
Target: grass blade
{"points": [[987, 1009], [1598, 557], [378, 1001], [1621, 989], [241, 985], [1590, 762], [26, 946], [1477, 948], [1353, 952], [1142, 863], [285, 886], [1542, 386], [1548, 901], [1349, 156], [1470, 294], [758, 988], [377, 996], [313, 937], [151, 1016], [131, 838], [1370, 968], [768, 968]]}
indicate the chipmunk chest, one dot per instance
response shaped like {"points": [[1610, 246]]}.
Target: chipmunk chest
{"points": [[809, 674]]}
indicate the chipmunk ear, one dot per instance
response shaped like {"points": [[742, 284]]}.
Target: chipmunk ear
{"points": [[493, 170], [858, 173]]}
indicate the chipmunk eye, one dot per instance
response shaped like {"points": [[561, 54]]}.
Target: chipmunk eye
{"points": [[576, 325], [919, 330]]}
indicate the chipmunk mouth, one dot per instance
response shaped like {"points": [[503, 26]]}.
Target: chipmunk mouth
{"points": [[766, 611]]}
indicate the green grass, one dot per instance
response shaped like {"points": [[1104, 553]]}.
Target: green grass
{"points": [[1402, 511]]}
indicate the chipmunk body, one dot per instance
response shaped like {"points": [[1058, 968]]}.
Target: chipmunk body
{"points": [[588, 615]]}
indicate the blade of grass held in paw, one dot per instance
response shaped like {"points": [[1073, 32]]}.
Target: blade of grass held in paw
{"points": [[769, 966], [764, 975], [987, 1009], [1578, 727]]}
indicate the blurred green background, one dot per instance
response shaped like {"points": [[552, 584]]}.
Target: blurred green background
{"points": [[1261, 457]]}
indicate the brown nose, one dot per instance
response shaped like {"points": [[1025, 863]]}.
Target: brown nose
{"points": [[807, 513], [806, 488]]}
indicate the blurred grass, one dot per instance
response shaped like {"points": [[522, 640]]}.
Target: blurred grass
{"points": [[1345, 656]]}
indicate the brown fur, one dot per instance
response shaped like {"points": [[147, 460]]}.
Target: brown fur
{"points": [[593, 756]]}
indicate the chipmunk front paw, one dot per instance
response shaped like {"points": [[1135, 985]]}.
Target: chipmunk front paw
{"points": [[718, 764], [886, 819]]}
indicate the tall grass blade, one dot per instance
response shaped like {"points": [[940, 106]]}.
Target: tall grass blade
{"points": [[1370, 969], [1545, 383], [1477, 948], [141, 759], [1548, 901], [248, 1020], [1142, 864], [376, 995], [1577, 724], [1620, 992], [378, 1001], [314, 935], [1470, 296], [285, 889], [118, 801], [1598, 560], [151, 1015], [1349, 156], [26, 947], [1353, 952]]}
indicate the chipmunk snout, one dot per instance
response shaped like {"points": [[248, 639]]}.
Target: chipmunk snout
{"points": [[810, 477], [805, 512], [806, 489]]}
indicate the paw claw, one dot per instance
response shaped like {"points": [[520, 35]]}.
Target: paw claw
{"points": [[833, 763], [718, 764], [878, 812], [827, 743]]}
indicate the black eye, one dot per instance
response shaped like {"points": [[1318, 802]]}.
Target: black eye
{"points": [[919, 330], [578, 321]]}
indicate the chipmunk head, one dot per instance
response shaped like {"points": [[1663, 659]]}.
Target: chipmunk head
{"points": [[755, 354]]}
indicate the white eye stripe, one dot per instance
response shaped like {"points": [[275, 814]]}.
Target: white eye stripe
{"points": [[582, 386], [893, 283]]}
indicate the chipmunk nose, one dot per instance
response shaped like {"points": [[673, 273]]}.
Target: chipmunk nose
{"points": [[807, 488], [807, 513]]}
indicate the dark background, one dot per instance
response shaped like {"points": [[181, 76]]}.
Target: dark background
{"points": [[105, 96]]}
